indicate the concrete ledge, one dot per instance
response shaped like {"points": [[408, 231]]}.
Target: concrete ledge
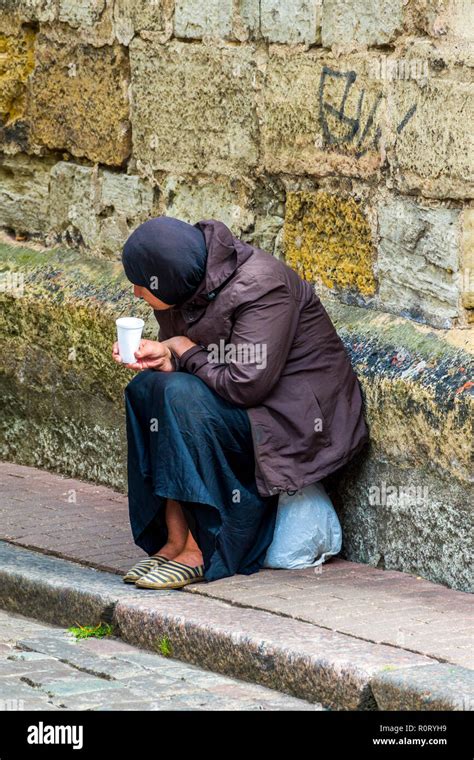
{"points": [[418, 384], [63, 393], [406, 503], [61, 324], [304, 660]]}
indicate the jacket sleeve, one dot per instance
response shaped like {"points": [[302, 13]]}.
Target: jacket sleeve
{"points": [[264, 330]]}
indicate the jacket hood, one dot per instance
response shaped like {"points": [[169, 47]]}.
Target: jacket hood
{"points": [[225, 254]]}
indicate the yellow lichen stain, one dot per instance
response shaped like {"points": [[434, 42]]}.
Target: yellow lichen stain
{"points": [[17, 60], [327, 239]]}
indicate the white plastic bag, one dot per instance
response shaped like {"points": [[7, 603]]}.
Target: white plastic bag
{"points": [[307, 530]]}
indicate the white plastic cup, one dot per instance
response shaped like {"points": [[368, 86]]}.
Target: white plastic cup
{"points": [[129, 334]]}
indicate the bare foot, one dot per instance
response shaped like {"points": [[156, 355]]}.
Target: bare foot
{"points": [[170, 551], [191, 558]]}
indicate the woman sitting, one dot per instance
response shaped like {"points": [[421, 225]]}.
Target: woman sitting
{"points": [[249, 393]]}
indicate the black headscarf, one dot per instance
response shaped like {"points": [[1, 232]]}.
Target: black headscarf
{"points": [[168, 257]]}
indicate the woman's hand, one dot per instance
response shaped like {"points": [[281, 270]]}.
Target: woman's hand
{"points": [[151, 354], [179, 344]]}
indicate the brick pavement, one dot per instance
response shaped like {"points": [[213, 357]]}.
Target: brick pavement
{"points": [[65, 517], [381, 606]]}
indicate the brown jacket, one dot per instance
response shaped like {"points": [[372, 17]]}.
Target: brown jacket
{"points": [[288, 368]]}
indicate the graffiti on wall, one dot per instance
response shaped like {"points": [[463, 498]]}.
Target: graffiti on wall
{"points": [[351, 128]]}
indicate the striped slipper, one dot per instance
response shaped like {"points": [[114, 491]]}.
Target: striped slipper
{"points": [[171, 575], [143, 567]]}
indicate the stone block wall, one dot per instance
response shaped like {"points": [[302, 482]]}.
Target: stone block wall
{"points": [[335, 133]]}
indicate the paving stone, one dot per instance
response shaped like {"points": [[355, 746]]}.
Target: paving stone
{"points": [[14, 689], [246, 644], [121, 698], [365, 602], [75, 684], [107, 647], [19, 655], [87, 662], [33, 670], [363, 586], [162, 665]]}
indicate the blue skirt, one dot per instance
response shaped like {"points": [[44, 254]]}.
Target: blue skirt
{"points": [[187, 443]]}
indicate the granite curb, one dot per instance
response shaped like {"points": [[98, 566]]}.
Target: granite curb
{"points": [[298, 658]]}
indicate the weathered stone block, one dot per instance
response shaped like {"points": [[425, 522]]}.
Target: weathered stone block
{"points": [[78, 100], [360, 22], [16, 64], [443, 19], [80, 204], [193, 199], [432, 150], [97, 207], [124, 202], [81, 12], [320, 115], [405, 518], [268, 202], [195, 18], [73, 203], [91, 22], [24, 193], [328, 239], [418, 261], [227, 19], [467, 251], [296, 22], [267, 234], [418, 399], [457, 19], [127, 194], [152, 20], [30, 10], [193, 107], [246, 20]]}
